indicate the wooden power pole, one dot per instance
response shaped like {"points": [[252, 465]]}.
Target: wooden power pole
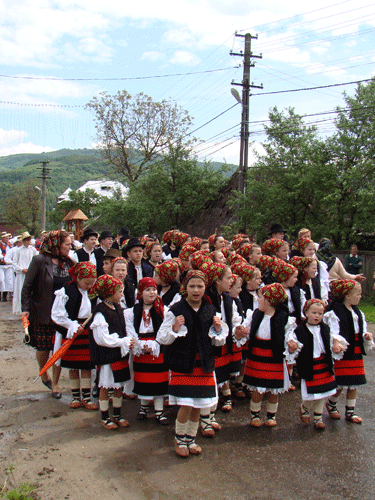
{"points": [[44, 178], [246, 86]]}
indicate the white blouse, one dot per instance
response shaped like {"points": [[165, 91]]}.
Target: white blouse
{"points": [[59, 313]]}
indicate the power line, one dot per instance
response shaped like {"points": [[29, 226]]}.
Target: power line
{"points": [[312, 88], [113, 79]]}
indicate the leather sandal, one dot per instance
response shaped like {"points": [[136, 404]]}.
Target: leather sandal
{"points": [[206, 428], [238, 392], [120, 422], [90, 405], [255, 419], [181, 448], [214, 423], [194, 449], [318, 422], [227, 405], [162, 419], [351, 416], [75, 403], [304, 414], [270, 420], [108, 424], [333, 412]]}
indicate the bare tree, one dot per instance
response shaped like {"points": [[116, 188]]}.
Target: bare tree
{"points": [[133, 130]]}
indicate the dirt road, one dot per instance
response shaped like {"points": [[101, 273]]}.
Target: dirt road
{"points": [[68, 455]]}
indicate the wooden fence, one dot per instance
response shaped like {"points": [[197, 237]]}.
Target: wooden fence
{"points": [[368, 268]]}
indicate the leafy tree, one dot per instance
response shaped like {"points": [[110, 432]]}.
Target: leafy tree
{"points": [[285, 185], [23, 205], [352, 201], [133, 130], [86, 201], [173, 190], [324, 184]]}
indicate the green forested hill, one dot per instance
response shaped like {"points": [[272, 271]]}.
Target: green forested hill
{"points": [[69, 168]]}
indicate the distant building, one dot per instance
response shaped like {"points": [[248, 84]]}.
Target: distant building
{"points": [[102, 188]]}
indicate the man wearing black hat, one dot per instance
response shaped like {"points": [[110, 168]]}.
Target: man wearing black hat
{"points": [[133, 251], [105, 241], [122, 233], [277, 231], [86, 253]]}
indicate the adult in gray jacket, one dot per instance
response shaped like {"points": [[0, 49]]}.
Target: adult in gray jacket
{"points": [[48, 272]]}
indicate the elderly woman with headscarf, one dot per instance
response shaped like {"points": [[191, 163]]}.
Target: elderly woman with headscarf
{"points": [[48, 272]]}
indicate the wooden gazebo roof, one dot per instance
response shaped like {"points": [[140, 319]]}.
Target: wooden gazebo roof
{"points": [[76, 214]]}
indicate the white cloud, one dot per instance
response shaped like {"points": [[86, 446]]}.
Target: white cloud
{"points": [[153, 56], [11, 143], [184, 57], [7, 136], [230, 153], [37, 90], [24, 147]]}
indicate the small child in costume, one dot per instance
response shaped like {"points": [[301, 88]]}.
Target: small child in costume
{"points": [[150, 372], [265, 369], [344, 318], [314, 345], [70, 309], [109, 347], [287, 276], [228, 357], [189, 330], [166, 276]]}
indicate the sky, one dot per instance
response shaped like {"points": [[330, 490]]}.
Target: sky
{"points": [[57, 55]]}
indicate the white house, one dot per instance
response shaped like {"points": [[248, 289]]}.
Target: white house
{"points": [[102, 188]]}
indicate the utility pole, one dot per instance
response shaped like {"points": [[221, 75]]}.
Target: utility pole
{"points": [[246, 86], [44, 178]]}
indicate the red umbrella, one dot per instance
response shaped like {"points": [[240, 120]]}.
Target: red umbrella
{"points": [[60, 352]]}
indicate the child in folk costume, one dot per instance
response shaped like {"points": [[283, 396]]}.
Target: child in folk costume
{"points": [[109, 347], [119, 269], [234, 292], [308, 280], [276, 248], [70, 309], [266, 369], [236, 380], [166, 277], [251, 281], [344, 318], [150, 372], [229, 356], [287, 276], [315, 348], [189, 329], [255, 254]]}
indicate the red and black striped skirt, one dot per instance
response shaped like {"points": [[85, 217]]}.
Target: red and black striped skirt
{"points": [[222, 364], [197, 384], [351, 372], [150, 375], [262, 369], [77, 357], [323, 381]]}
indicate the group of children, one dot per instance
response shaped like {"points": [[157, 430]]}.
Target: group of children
{"points": [[242, 319]]}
